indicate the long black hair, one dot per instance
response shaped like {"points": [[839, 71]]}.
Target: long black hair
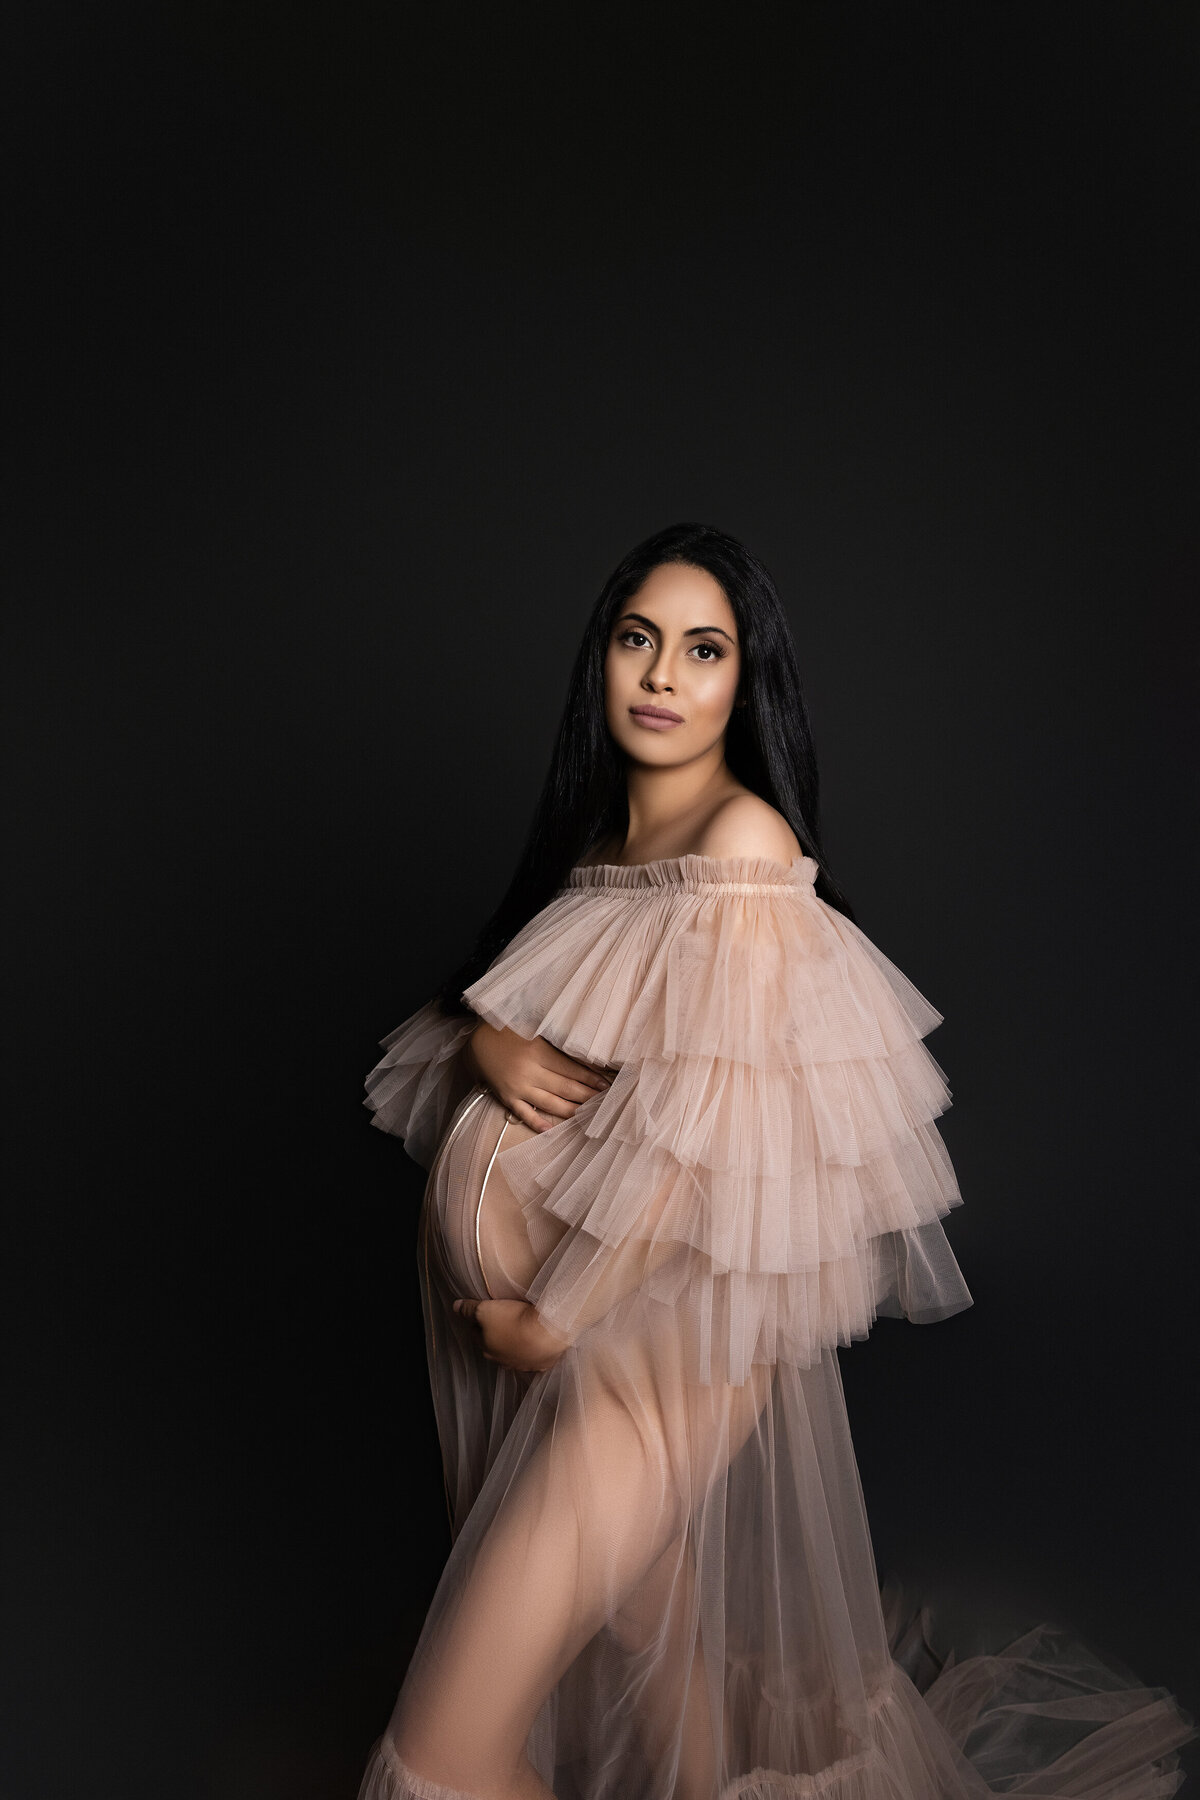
{"points": [[768, 742]]}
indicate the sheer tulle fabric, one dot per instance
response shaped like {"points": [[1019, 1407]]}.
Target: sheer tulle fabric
{"points": [[661, 1585]]}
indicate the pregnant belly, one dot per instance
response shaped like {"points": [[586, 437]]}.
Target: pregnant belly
{"points": [[479, 1226]]}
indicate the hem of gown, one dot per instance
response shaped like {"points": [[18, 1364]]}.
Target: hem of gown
{"points": [[913, 1755], [910, 1754], [842, 1776], [388, 1777]]}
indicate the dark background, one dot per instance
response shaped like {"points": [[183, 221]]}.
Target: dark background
{"points": [[349, 348]]}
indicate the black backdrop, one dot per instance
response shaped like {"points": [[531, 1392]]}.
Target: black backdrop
{"points": [[351, 347]]}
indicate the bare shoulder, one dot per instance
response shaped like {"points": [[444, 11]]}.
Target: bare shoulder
{"points": [[746, 825]]}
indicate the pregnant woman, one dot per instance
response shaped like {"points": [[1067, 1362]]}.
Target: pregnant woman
{"points": [[680, 1130]]}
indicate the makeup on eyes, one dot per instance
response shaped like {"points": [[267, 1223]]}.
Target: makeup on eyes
{"points": [[706, 643], [693, 630]]}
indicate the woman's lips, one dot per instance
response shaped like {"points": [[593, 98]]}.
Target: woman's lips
{"points": [[654, 718]]}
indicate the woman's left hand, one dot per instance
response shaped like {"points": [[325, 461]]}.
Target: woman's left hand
{"points": [[512, 1334]]}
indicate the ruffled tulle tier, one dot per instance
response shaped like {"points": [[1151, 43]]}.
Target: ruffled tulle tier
{"points": [[771, 1118], [727, 1160], [413, 1091], [702, 956]]}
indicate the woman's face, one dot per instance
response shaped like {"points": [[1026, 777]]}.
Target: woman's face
{"points": [[672, 667]]}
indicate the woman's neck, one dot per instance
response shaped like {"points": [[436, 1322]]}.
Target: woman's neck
{"points": [[669, 808]]}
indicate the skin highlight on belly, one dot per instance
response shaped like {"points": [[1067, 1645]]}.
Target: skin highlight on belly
{"points": [[506, 1258], [480, 1223]]}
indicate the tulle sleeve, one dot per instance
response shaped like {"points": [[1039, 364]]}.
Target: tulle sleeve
{"points": [[768, 1145], [414, 1090]]}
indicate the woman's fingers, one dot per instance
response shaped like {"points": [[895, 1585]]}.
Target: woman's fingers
{"points": [[566, 1088], [547, 1094], [469, 1309], [570, 1066], [528, 1115], [553, 1104]]}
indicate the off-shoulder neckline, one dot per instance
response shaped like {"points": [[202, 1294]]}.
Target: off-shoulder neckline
{"points": [[692, 871]]}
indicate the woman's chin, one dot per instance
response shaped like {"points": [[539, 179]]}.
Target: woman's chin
{"points": [[657, 749]]}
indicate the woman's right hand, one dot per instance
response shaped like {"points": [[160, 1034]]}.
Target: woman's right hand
{"points": [[537, 1083]]}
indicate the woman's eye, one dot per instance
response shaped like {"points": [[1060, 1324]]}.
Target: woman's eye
{"points": [[638, 640]]}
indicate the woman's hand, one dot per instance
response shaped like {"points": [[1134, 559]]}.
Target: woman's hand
{"points": [[537, 1083], [513, 1335]]}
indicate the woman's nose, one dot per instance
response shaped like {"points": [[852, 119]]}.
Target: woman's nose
{"points": [[658, 676]]}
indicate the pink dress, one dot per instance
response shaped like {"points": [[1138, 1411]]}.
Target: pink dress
{"points": [[662, 1585]]}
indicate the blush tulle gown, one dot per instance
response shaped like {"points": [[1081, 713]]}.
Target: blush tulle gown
{"points": [[661, 1585]]}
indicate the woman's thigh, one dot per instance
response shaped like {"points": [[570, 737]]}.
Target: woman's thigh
{"points": [[595, 1512]]}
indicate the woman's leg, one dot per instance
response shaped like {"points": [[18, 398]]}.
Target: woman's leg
{"points": [[582, 1536], [661, 1621], [581, 1523], [659, 1624]]}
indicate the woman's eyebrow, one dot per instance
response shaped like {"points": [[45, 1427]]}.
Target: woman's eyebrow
{"points": [[696, 630]]}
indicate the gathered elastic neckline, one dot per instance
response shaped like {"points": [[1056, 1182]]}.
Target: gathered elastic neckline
{"points": [[741, 873]]}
